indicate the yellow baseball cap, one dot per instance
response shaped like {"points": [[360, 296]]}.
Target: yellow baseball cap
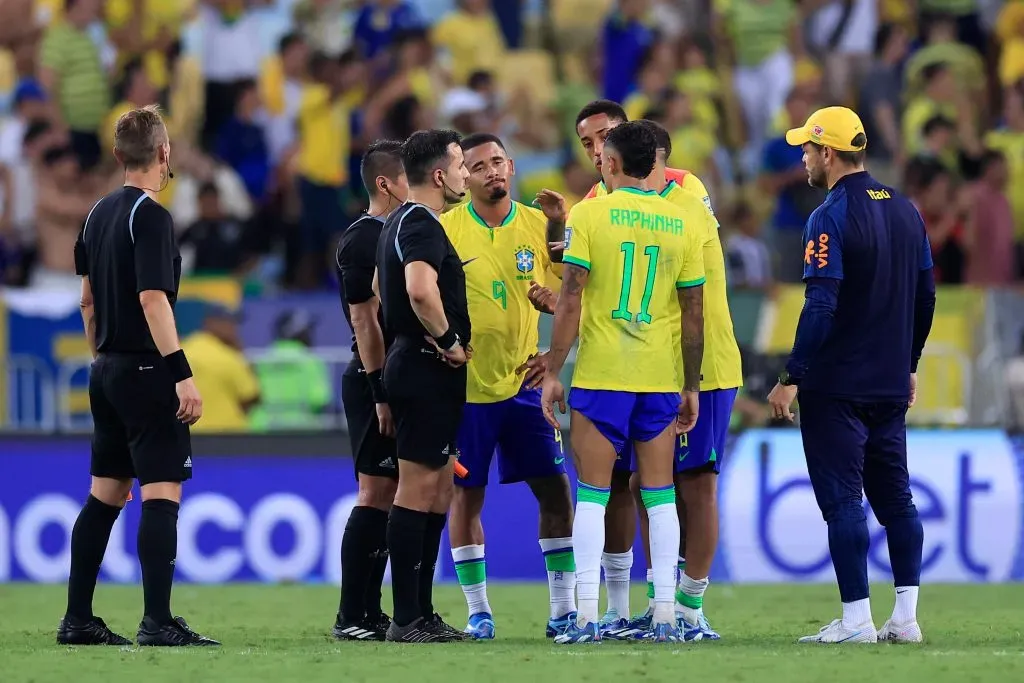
{"points": [[834, 127]]}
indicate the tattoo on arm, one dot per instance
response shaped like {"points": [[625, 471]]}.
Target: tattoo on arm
{"points": [[567, 316], [691, 300]]}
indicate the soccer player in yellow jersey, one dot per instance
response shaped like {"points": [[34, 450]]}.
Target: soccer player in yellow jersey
{"points": [[503, 247], [632, 288]]}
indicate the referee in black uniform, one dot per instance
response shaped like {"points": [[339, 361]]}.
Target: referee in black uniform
{"points": [[364, 547], [140, 388], [422, 290]]}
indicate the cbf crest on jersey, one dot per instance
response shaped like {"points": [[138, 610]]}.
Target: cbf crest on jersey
{"points": [[525, 259]]}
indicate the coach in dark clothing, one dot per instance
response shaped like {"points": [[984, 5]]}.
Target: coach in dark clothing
{"points": [[422, 290], [140, 388], [869, 306]]}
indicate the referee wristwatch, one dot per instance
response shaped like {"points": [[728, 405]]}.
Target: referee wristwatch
{"points": [[786, 380]]}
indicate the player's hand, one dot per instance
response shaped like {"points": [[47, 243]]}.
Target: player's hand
{"points": [[386, 421], [686, 419], [190, 404], [457, 357], [552, 204], [781, 399], [913, 390], [534, 367], [552, 392], [542, 298]]}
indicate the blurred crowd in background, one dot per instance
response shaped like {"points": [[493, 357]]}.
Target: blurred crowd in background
{"points": [[270, 102]]}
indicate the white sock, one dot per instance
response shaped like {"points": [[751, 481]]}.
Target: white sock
{"points": [[616, 579], [905, 611], [857, 613], [471, 568], [664, 529], [690, 598], [587, 542], [650, 589], [561, 566]]}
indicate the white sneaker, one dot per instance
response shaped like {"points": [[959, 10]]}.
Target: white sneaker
{"points": [[900, 633], [837, 633]]}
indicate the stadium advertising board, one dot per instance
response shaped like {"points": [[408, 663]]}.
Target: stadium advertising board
{"points": [[280, 518]]}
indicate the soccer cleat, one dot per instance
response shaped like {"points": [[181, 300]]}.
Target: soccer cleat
{"points": [[560, 624], [174, 633], [73, 631], [420, 631], [636, 628], [381, 621], [663, 633], [892, 632], [591, 633], [699, 631], [364, 630], [611, 622], [437, 622], [480, 626], [836, 633]]}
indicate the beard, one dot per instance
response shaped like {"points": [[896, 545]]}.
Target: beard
{"points": [[452, 197], [817, 179], [497, 194]]}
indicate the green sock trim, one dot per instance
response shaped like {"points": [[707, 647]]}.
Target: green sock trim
{"points": [[655, 497], [691, 601], [560, 562], [591, 494], [650, 590], [471, 572], [681, 566]]}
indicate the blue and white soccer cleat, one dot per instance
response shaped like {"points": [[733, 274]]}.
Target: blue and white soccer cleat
{"points": [[611, 622], [663, 633], [636, 628], [557, 625], [480, 626], [836, 633], [590, 633], [696, 631]]}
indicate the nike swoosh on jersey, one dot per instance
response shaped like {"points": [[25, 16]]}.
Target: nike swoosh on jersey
{"points": [[468, 261]]}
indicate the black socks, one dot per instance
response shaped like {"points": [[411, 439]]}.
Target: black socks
{"points": [[406, 535], [365, 537], [431, 548], [158, 546], [88, 544]]}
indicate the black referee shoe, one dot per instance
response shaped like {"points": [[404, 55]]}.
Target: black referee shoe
{"points": [[371, 628], [174, 633], [437, 622], [73, 631], [420, 631]]}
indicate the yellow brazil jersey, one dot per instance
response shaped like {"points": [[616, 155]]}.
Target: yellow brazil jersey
{"points": [[323, 137], [225, 381], [722, 368], [639, 249], [500, 264]]}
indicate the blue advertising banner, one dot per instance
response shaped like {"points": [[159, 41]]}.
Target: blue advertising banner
{"points": [[274, 517]]}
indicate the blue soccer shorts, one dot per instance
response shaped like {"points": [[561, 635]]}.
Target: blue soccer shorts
{"points": [[623, 417], [526, 445]]}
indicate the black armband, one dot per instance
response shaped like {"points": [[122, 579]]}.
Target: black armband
{"points": [[376, 380], [178, 365], [447, 340]]}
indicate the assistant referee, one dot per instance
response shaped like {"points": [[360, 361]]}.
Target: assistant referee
{"points": [[422, 290], [869, 305], [141, 391]]}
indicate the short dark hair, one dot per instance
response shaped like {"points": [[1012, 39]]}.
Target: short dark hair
{"points": [[613, 110], [935, 123], [883, 35], [55, 154], [242, 88], [989, 158], [477, 139], [381, 158], [661, 136], [36, 129], [851, 158], [637, 146], [287, 40], [425, 150], [479, 79], [209, 188]]}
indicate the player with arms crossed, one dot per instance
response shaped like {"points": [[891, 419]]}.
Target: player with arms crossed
{"points": [[503, 247], [633, 274]]}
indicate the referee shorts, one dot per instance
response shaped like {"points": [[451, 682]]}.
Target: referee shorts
{"points": [[136, 432], [372, 453], [426, 429]]}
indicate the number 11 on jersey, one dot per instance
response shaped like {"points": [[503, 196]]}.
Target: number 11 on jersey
{"points": [[628, 250]]}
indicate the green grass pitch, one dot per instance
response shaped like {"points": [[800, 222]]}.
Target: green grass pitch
{"points": [[280, 633]]}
